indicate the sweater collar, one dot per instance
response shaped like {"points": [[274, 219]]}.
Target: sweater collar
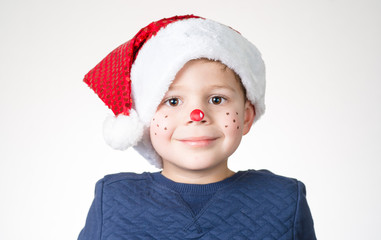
{"points": [[160, 179]]}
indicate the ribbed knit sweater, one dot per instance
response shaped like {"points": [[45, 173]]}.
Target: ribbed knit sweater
{"points": [[251, 204]]}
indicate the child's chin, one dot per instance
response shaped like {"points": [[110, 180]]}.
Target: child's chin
{"points": [[199, 164]]}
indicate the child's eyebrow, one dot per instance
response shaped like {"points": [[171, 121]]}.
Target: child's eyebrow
{"points": [[211, 87], [228, 87]]}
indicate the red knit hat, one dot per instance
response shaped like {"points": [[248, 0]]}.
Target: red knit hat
{"points": [[133, 78]]}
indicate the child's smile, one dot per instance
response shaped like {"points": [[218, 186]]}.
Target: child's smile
{"points": [[203, 141], [201, 119]]}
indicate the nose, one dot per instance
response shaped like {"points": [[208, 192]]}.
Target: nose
{"points": [[197, 115]]}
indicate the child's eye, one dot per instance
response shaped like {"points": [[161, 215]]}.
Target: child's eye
{"points": [[216, 100], [173, 102]]}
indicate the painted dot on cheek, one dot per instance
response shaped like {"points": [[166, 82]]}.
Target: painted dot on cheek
{"points": [[227, 113], [157, 125], [166, 116], [233, 120], [236, 113], [155, 133], [165, 128], [226, 126], [238, 127]]}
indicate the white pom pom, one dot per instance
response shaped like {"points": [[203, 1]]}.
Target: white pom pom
{"points": [[123, 131]]}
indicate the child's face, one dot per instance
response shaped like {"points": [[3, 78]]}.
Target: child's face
{"points": [[188, 145]]}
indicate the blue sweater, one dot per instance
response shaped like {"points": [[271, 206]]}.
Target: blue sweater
{"points": [[255, 205]]}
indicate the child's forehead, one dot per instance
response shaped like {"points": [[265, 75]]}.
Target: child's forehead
{"points": [[218, 85], [208, 69], [214, 75]]}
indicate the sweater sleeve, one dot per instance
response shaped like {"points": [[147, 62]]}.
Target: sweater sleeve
{"points": [[93, 226], [303, 223]]}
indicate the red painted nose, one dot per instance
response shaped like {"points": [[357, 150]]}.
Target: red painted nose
{"points": [[196, 115]]}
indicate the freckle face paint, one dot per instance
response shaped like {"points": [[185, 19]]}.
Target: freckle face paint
{"points": [[231, 118], [196, 115]]}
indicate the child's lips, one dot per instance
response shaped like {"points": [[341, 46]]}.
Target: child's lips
{"points": [[198, 141]]}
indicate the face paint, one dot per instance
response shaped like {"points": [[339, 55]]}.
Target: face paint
{"points": [[232, 120], [196, 115], [189, 139]]}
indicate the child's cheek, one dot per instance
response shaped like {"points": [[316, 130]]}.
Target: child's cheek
{"points": [[231, 121], [160, 125]]}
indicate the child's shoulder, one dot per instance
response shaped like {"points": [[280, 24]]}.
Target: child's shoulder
{"points": [[264, 179], [123, 177], [267, 175]]}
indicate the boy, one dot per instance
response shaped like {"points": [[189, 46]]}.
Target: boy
{"points": [[184, 91]]}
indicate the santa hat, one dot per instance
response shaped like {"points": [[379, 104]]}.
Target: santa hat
{"points": [[133, 79]]}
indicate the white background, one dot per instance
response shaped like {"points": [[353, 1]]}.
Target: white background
{"points": [[322, 123]]}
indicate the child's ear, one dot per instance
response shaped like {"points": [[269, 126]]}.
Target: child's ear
{"points": [[249, 116]]}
